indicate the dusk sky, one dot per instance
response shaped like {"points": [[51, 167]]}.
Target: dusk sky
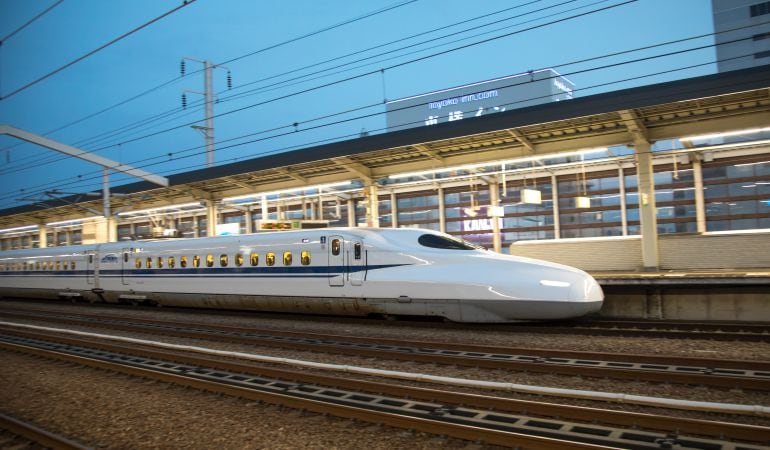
{"points": [[225, 32]]}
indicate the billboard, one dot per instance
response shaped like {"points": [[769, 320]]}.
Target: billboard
{"points": [[478, 99]]}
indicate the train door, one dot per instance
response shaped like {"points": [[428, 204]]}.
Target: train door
{"points": [[357, 263], [336, 261], [125, 266], [90, 267]]}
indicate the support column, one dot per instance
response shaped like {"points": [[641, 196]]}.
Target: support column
{"points": [[700, 202], [372, 206], [112, 228], [623, 207], [555, 207], [42, 232], [393, 210], [441, 210], [352, 213], [647, 210], [211, 218], [265, 208], [249, 220], [494, 201]]}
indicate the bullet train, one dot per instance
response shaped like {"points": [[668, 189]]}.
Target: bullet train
{"points": [[346, 271]]}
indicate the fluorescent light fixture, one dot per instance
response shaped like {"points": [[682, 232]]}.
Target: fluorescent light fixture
{"points": [[583, 202], [286, 191], [24, 228], [73, 221], [531, 196], [725, 134], [158, 209], [495, 163]]}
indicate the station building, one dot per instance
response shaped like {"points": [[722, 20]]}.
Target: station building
{"points": [[672, 178]]}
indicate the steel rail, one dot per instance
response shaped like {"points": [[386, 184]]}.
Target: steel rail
{"points": [[631, 420], [38, 435], [496, 437], [708, 372]]}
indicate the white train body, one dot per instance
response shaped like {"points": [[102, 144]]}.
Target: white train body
{"points": [[350, 271]]}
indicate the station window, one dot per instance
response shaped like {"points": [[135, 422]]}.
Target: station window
{"points": [[270, 259], [149, 262], [287, 258], [305, 258], [223, 260], [335, 247], [138, 263], [160, 262], [171, 262], [182, 261], [209, 260], [239, 259], [196, 261], [254, 259]]}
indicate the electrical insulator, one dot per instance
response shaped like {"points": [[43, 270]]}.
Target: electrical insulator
{"points": [[181, 67], [229, 80], [184, 101]]}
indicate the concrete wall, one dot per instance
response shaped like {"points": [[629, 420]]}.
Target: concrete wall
{"points": [[676, 252]]}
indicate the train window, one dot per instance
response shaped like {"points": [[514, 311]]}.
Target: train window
{"points": [[287, 258], [138, 263], [50, 265], [160, 262], [270, 259], [305, 258], [223, 260], [209, 260], [72, 265], [125, 257], [196, 261], [357, 250], [37, 265], [149, 262], [444, 242], [90, 259], [239, 259], [171, 262], [58, 265], [254, 259], [182, 261], [335, 247]]}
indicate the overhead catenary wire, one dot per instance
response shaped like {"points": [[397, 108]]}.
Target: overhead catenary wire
{"points": [[558, 65], [29, 22], [97, 50], [176, 79], [96, 176], [152, 120]]}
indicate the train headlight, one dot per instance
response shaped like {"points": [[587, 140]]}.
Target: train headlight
{"points": [[553, 283]]}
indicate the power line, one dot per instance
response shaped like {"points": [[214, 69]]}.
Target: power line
{"points": [[29, 22], [139, 124], [153, 89], [177, 157], [102, 47]]}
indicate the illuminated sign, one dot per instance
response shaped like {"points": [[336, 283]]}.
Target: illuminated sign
{"points": [[478, 99]]}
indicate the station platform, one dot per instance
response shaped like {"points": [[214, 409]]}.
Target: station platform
{"points": [[713, 295], [690, 278]]}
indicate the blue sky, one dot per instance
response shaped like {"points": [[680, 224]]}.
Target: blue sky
{"points": [[221, 31]]}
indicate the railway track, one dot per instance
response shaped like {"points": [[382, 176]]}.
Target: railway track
{"points": [[722, 373], [19, 435], [494, 420]]}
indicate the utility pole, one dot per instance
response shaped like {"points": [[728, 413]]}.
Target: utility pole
{"points": [[208, 99]]}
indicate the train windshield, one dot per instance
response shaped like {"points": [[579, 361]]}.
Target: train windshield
{"points": [[444, 242]]}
